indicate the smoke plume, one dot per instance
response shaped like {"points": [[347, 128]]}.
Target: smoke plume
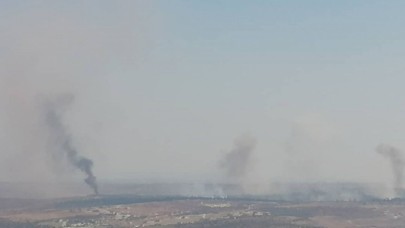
{"points": [[62, 140], [397, 164], [236, 162]]}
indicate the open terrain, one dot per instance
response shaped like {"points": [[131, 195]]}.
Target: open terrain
{"points": [[141, 211]]}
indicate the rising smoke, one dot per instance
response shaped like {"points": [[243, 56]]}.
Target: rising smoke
{"points": [[236, 162], [397, 164], [62, 140]]}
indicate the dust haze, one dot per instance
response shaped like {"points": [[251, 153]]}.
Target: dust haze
{"points": [[122, 99]]}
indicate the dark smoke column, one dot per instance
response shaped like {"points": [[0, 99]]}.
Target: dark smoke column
{"points": [[62, 140], [235, 163], [397, 164]]}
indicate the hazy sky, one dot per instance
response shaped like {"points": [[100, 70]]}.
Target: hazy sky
{"points": [[162, 88]]}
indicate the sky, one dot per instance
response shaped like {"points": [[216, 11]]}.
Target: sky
{"points": [[163, 88]]}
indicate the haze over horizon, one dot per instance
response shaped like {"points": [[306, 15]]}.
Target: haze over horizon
{"points": [[163, 90]]}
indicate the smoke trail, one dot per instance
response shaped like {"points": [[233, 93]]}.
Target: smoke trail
{"points": [[63, 140], [397, 164], [235, 163]]}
